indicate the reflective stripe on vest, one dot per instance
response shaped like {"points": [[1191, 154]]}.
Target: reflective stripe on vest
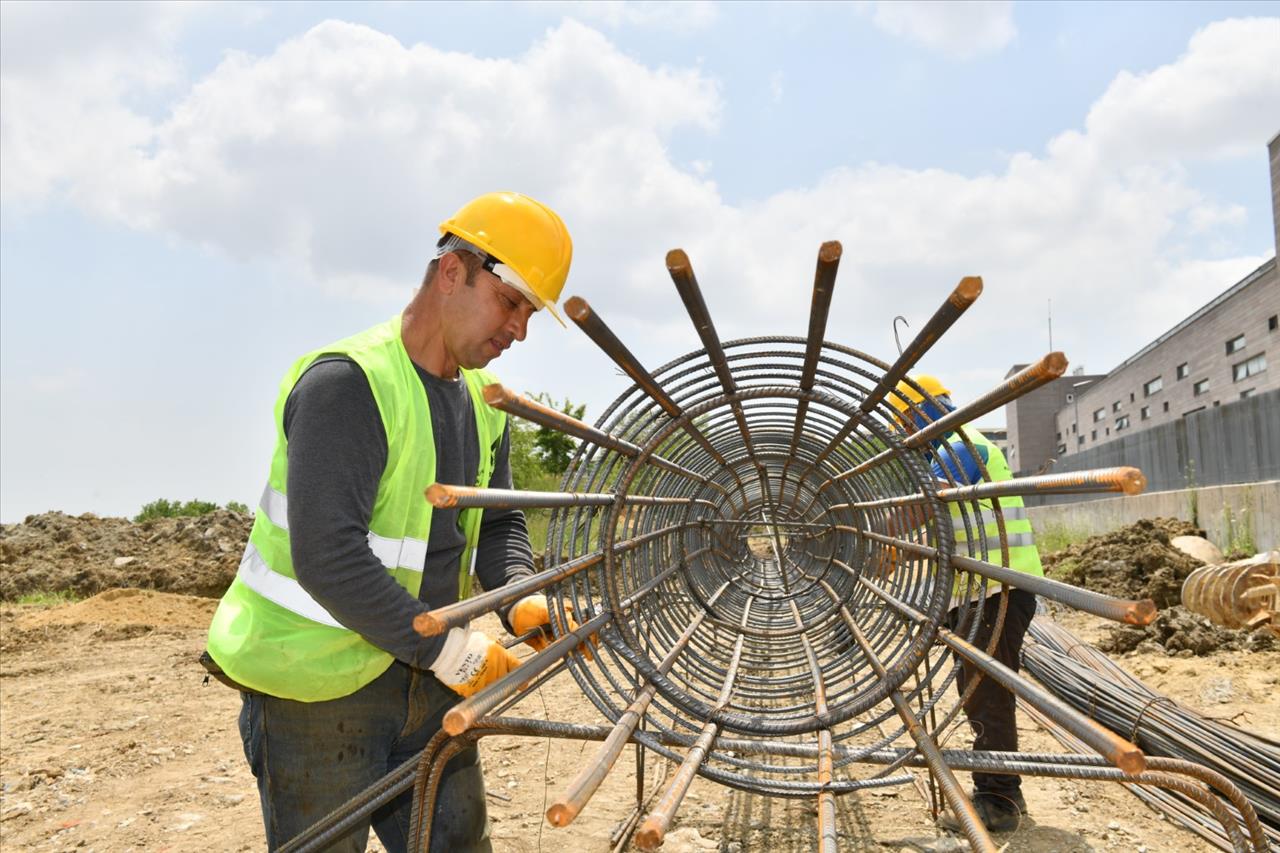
{"points": [[984, 519], [983, 526]]}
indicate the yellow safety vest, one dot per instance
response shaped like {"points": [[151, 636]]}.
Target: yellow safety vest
{"points": [[268, 633], [1023, 554]]}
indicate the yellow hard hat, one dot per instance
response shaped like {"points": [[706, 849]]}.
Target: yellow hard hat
{"points": [[526, 238], [931, 384]]}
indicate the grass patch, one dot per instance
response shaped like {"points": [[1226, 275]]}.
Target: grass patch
{"points": [[537, 521], [1055, 537], [45, 598]]}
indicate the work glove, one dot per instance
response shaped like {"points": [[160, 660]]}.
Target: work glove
{"points": [[470, 661], [532, 612]]}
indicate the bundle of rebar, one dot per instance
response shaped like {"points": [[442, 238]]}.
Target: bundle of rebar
{"points": [[766, 537], [1085, 677]]}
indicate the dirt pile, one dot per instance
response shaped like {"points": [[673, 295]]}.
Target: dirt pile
{"points": [[1180, 632], [84, 555], [1133, 562]]}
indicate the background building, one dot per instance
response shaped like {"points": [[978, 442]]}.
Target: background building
{"points": [[1226, 352]]}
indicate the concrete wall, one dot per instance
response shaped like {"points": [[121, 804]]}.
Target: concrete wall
{"points": [[1230, 515], [1234, 443]]}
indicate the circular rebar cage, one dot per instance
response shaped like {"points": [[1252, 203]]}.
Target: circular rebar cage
{"points": [[784, 546], [731, 521]]}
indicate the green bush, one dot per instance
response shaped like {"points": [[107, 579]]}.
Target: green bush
{"points": [[163, 508]]}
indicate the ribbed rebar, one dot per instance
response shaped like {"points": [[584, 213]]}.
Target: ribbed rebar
{"points": [[783, 584]]}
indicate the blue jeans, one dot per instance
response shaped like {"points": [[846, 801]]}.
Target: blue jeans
{"points": [[311, 757]]}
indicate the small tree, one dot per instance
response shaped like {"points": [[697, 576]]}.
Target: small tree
{"points": [[555, 449]]}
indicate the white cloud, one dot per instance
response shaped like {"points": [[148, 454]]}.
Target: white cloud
{"points": [[962, 30], [681, 18], [1183, 109], [340, 150]]}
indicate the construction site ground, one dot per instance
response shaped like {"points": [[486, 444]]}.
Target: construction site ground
{"points": [[110, 739]]}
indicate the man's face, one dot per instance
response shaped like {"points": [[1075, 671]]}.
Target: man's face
{"points": [[487, 316]]}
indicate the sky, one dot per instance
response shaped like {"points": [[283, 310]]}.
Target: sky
{"points": [[192, 195]]}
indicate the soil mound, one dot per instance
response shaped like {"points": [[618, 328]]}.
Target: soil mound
{"points": [[1179, 631], [84, 555], [1137, 561], [127, 607]]}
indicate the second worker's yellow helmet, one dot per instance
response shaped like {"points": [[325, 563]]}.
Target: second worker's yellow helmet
{"points": [[931, 384], [527, 238]]}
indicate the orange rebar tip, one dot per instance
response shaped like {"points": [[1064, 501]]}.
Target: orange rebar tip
{"points": [[678, 262], [650, 834], [830, 252], [561, 814], [1129, 759], [428, 625], [1052, 365], [1132, 481], [966, 292], [458, 720], [442, 496], [1142, 612], [497, 393], [577, 308]]}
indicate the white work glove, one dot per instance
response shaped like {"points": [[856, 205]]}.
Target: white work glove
{"points": [[470, 661]]}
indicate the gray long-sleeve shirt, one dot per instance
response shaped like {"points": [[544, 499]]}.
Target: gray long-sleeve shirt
{"points": [[337, 450]]}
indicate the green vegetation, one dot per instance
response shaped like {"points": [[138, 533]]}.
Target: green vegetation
{"points": [[45, 598], [1056, 537], [163, 508], [1237, 533], [539, 457]]}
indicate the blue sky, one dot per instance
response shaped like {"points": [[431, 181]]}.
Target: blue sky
{"points": [[193, 194]]}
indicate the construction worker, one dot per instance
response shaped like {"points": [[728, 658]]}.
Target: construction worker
{"points": [[990, 710], [316, 629]]}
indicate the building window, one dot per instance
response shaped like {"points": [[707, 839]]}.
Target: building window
{"points": [[1201, 387], [1251, 367], [1099, 415], [1165, 407], [1273, 322], [1122, 422], [1131, 397], [1235, 344], [1183, 370], [1093, 435], [1145, 413], [1115, 407], [1247, 393], [1153, 387], [1073, 429], [1062, 448], [1059, 437], [1079, 440]]}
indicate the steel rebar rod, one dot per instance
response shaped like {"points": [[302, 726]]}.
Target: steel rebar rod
{"points": [[441, 619], [581, 313], [963, 296], [1128, 611], [441, 496], [1119, 751], [508, 401]]}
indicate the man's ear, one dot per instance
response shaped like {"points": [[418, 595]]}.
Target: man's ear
{"points": [[451, 273]]}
